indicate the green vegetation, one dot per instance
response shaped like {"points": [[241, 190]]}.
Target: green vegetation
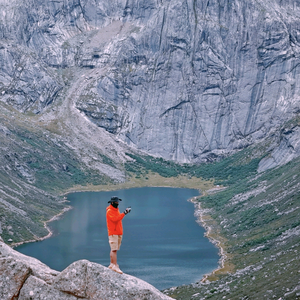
{"points": [[35, 168], [226, 172], [53, 165], [259, 214], [143, 164], [107, 161]]}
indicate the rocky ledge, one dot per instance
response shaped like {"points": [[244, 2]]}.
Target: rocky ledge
{"points": [[23, 277]]}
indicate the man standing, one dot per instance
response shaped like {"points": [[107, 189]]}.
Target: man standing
{"points": [[115, 230]]}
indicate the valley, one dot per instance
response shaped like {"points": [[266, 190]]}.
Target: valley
{"points": [[99, 96]]}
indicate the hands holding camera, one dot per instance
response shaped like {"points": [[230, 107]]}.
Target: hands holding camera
{"points": [[127, 210]]}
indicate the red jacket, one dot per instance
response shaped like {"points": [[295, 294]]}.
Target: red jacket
{"points": [[114, 220]]}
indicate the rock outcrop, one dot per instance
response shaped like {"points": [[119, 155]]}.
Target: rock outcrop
{"points": [[23, 277]]}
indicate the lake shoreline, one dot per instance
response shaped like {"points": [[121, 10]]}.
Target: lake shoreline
{"points": [[50, 232], [200, 213], [204, 219]]}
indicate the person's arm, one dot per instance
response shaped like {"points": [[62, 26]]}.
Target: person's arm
{"points": [[114, 217]]}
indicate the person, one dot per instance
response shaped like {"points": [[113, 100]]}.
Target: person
{"points": [[115, 230]]}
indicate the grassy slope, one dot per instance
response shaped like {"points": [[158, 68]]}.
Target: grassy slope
{"points": [[34, 168], [258, 218]]}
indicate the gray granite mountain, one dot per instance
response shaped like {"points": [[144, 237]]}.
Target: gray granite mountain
{"points": [[186, 80], [23, 277]]}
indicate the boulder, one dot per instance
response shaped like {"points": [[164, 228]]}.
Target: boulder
{"points": [[13, 274], [36, 267], [24, 277], [93, 281], [37, 289]]}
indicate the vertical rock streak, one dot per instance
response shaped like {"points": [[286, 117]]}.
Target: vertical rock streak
{"points": [[234, 65]]}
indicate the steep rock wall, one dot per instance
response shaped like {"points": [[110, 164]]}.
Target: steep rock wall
{"points": [[205, 77], [185, 80]]}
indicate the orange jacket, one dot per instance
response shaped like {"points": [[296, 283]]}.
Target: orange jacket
{"points": [[114, 220]]}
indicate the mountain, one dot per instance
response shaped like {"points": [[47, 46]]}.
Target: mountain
{"points": [[97, 93], [184, 80]]}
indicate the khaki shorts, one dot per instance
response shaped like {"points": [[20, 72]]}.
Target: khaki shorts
{"points": [[115, 242]]}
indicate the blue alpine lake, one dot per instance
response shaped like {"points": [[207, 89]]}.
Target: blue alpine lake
{"points": [[162, 242]]}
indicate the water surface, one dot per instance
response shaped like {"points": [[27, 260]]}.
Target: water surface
{"points": [[162, 243]]}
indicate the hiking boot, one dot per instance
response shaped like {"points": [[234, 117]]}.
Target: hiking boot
{"points": [[116, 269]]}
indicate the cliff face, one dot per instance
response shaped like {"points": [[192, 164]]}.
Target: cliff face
{"points": [[23, 277], [185, 80]]}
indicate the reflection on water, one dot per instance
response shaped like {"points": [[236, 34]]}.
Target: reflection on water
{"points": [[162, 242]]}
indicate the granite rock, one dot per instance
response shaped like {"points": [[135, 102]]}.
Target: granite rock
{"points": [[13, 273], [94, 281], [24, 277]]}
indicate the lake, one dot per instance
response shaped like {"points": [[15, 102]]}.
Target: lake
{"points": [[162, 242]]}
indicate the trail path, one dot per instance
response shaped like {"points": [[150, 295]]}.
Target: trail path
{"points": [[87, 139]]}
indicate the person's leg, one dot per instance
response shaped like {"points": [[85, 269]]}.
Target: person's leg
{"points": [[113, 257], [115, 243]]}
